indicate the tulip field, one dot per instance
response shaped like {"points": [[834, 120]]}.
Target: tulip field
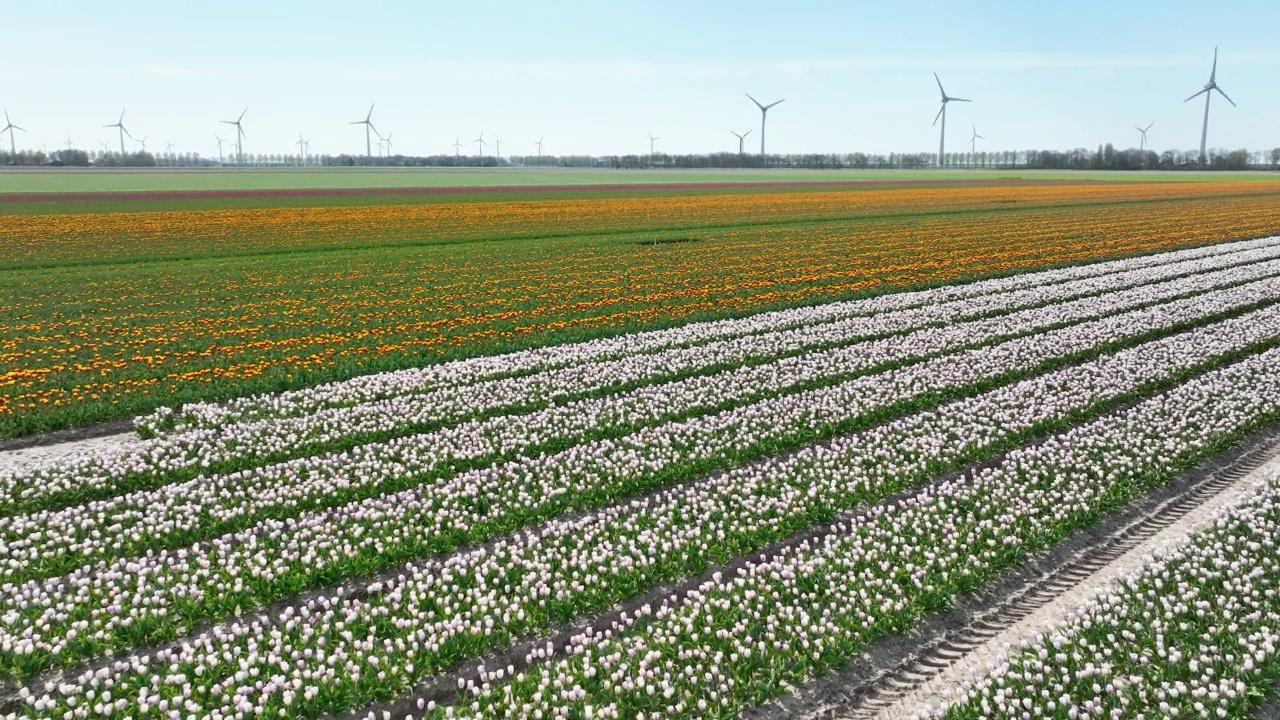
{"points": [[110, 312], [1193, 634], [622, 456], [682, 521]]}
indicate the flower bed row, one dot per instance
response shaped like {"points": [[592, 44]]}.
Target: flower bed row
{"points": [[348, 437], [380, 386], [1194, 632], [745, 635], [208, 508], [424, 617]]}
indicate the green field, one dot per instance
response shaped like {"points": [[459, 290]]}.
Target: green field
{"points": [[59, 180]]}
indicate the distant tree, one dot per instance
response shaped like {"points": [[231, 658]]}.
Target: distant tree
{"points": [[78, 158]]}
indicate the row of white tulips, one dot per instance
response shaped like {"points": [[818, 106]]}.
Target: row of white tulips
{"points": [[1192, 633], [113, 470], [209, 507], [463, 372], [334, 649], [743, 635]]}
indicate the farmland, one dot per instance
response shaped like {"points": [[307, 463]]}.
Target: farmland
{"points": [[112, 314], [601, 455]]}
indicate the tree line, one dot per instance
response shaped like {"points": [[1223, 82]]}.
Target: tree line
{"points": [[1105, 157]]}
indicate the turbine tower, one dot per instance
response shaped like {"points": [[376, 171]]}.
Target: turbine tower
{"points": [[120, 124], [367, 122], [764, 113], [9, 127], [1142, 137], [973, 143], [539, 144], [942, 137], [497, 147], [741, 137], [480, 143], [239, 136], [1209, 87]]}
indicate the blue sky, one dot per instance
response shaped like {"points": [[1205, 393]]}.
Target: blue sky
{"points": [[598, 76]]}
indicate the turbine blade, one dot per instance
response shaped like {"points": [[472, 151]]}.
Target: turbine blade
{"points": [[1193, 97], [1233, 102], [939, 80], [15, 127], [242, 115], [777, 103], [757, 102], [1214, 72], [960, 99], [935, 117], [746, 133], [1149, 125], [369, 117]]}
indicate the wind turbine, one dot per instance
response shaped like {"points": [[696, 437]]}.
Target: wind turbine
{"points": [[387, 140], [168, 146], [220, 141], [973, 142], [306, 151], [380, 139], [9, 127], [367, 122], [942, 136], [70, 145], [651, 141], [539, 144], [302, 149], [497, 145], [118, 124], [239, 136], [143, 143], [104, 145], [741, 137], [480, 143], [764, 113], [457, 147], [1207, 92], [1142, 137]]}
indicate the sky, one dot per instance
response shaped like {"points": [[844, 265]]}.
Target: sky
{"points": [[599, 76]]}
